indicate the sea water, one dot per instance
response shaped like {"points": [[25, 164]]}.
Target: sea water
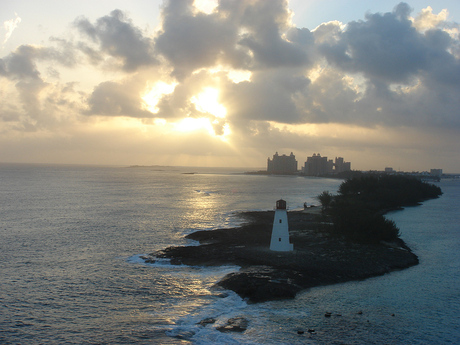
{"points": [[72, 237]]}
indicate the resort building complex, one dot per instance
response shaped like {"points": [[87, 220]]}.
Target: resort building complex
{"points": [[315, 165], [282, 164]]}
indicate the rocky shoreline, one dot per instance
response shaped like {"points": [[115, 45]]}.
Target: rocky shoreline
{"points": [[319, 258]]}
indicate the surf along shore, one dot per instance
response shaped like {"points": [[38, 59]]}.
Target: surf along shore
{"points": [[319, 257]]}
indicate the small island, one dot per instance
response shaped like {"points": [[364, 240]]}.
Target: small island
{"points": [[346, 238]]}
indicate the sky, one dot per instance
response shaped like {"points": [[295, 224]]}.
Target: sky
{"points": [[229, 83]]}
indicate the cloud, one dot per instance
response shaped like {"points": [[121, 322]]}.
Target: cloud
{"points": [[9, 26], [21, 63], [388, 48], [241, 34], [118, 99], [427, 20], [403, 68], [264, 24], [384, 53], [117, 37], [269, 96], [32, 108], [369, 72], [192, 41], [384, 47]]}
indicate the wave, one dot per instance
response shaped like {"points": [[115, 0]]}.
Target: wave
{"points": [[190, 326], [200, 270], [207, 192], [181, 318]]}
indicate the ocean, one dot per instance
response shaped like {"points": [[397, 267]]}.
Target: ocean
{"points": [[72, 237]]}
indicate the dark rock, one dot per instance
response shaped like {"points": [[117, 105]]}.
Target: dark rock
{"points": [[206, 321], [184, 335], [237, 324], [262, 283], [300, 332], [148, 259]]}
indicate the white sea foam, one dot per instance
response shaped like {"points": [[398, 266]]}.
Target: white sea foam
{"points": [[136, 259], [159, 262], [202, 271], [220, 309], [193, 243]]}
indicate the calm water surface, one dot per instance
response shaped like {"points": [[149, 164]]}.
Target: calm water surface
{"points": [[71, 237]]}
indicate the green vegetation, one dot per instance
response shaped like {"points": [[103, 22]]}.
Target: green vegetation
{"points": [[325, 198], [357, 211]]}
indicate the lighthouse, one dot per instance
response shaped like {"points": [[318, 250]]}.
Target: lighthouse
{"points": [[280, 230]]}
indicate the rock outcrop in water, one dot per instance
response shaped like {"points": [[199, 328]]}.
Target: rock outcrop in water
{"points": [[319, 258]]}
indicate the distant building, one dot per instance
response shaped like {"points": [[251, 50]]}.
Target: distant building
{"points": [[436, 172], [341, 165], [389, 170], [317, 165], [282, 164]]}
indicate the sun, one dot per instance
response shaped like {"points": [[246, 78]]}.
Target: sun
{"points": [[208, 102], [213, 119], [154, 94]]}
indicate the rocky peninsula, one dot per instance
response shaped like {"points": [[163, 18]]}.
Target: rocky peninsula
{"points": [[347, 239], [319, 257]]}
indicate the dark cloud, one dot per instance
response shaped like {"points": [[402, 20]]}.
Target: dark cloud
{"points": [[21, 67], [265, 23], [383, 47], [190, 42], [117, 99], [387, 48], [269, 96], [21, 63], [241, 34], [119, 38]]}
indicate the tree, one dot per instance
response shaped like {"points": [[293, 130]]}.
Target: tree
{"points": [[325, 198]]}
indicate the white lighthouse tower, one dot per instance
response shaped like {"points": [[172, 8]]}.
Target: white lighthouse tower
{"points": [[280, 231]]}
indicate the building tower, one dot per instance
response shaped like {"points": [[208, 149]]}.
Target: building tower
{"points": [[280, 230]]}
